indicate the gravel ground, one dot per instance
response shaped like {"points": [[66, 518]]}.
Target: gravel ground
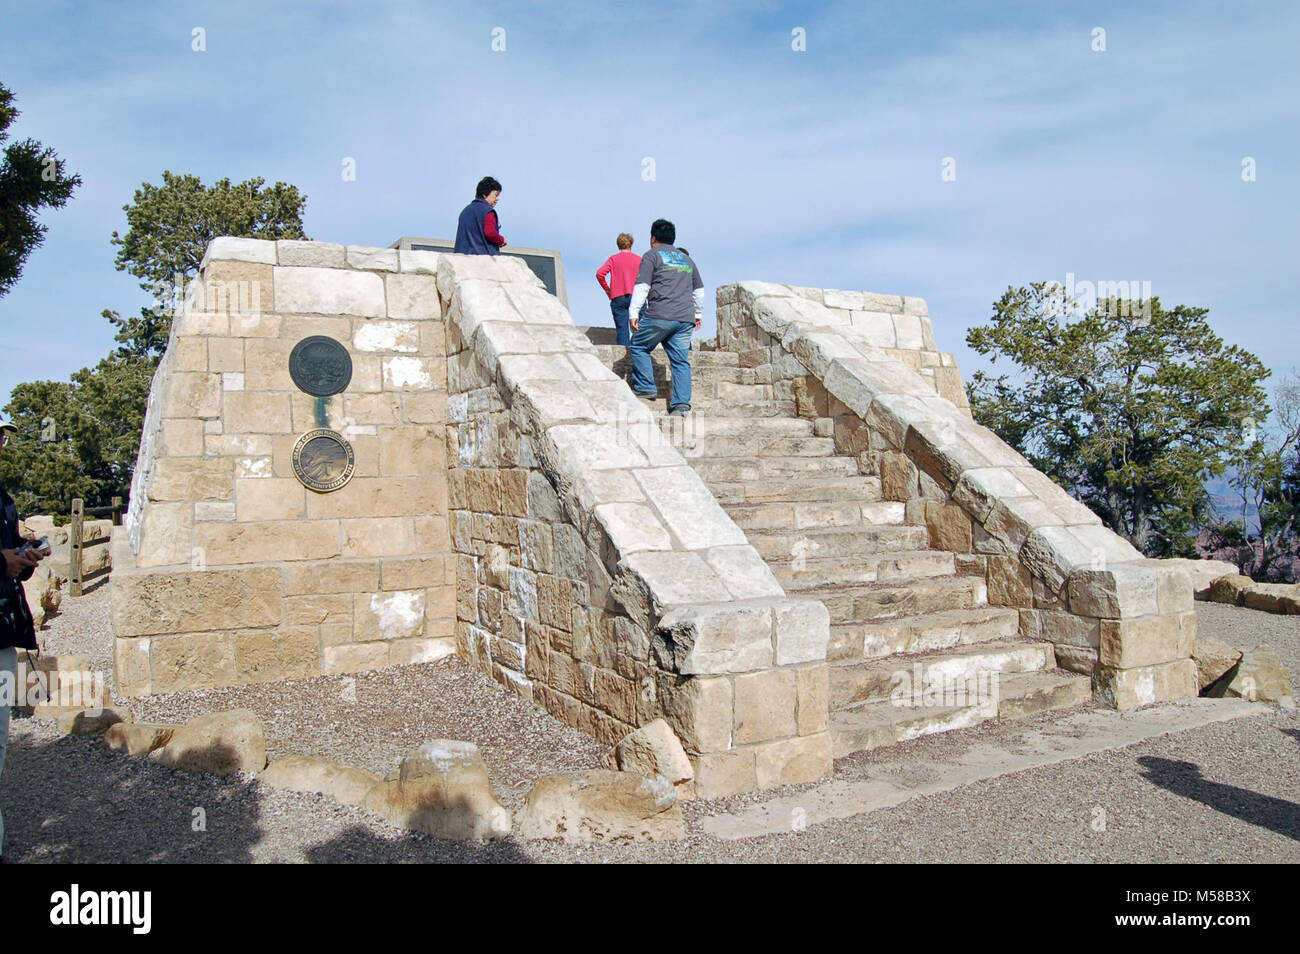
{"points": [[1227, 792]]}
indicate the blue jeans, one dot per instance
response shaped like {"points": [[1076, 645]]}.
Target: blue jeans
{"points": [[619, 307], [675, 336], [8, 665]]}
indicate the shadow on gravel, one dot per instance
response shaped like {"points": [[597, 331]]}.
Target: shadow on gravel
{"points": [[75, 800], [1294, 733], [1185, 779], [357, 845]]}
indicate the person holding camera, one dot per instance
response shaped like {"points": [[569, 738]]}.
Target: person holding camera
{"points": [[17, 629]]}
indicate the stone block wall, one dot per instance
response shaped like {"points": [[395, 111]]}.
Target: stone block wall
{"points": [[1128, 621], [228, 569], [595, 573]]}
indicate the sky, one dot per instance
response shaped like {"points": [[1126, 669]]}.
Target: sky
{"points": [[819, 166]]}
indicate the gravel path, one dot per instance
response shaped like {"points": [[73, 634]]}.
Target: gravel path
{"points": [[1226, 792]]}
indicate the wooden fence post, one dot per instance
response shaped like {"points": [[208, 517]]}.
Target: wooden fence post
{"points": [[74, 548], [117, 511]]}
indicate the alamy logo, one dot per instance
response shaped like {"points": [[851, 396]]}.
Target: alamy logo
{"points": [[102, 907]]}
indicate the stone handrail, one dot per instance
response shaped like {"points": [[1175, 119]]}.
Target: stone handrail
{"points": [[596, 572], [1128, 621]]}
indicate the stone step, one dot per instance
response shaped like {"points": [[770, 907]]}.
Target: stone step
{"points": [[808, 488], [699, 425], [926, 631], [731, 470], [843, 542], [905, 566], [755, 445], [786, 515], [877, 724], [898, 602], [863, 681], [610, 353]]}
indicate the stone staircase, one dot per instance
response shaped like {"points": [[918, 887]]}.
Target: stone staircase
{"points": [[903, 617]]}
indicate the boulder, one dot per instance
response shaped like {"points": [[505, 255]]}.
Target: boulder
{"points": [[1228, 588], [441, 789], [138, 738], [1261, 677], [69, 690], [43, 593], [1213, 659], [1272, 597], [653, 750], [1203, 573], [92, 722], [220, 743], [600, 805], [346, 784]]}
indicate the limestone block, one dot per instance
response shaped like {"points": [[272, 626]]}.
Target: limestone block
{"points": [[137, 738], [192, 661], [1272, 597], [949, 526], [258, 412], [653, 750], [235, 543], [1123, 590], [387, 336], [369, 257], [688, 508], [165, 535], [979, 489], [1008, 582], [412, 296], [717, 638], [406, 652], [346, 784], [1202, 573], [275, 655], [1077, 659], [793, 761], [802, 630], [744, 573], [309, 254], [153, 603], [1054, 553], [333, 576], [1063, 628], [329, 291], [898, 476], [1213, 658], [1261, 677], [1126, 689], [375, 536], [1147, 640], [410, 372], [874, 327], [648, 582], [274, 498], [765, 706], [189, 394], [239, 250], [721, 774], [1230, 588], [358, 657], [600, 805]]}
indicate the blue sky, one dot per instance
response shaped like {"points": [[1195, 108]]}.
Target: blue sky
{"points": [[819, 167]]}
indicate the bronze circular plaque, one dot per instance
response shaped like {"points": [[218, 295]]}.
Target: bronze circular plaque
{"points": [[320, 365], [323, 460]]}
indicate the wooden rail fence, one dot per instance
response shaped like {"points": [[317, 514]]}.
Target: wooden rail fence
{"points": [[77, 543]]}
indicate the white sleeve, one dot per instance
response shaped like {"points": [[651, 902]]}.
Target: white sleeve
{"points": [[639, 293], [699, 302]]}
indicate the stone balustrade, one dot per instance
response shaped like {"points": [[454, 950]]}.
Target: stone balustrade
{"points": [[861, 359]]}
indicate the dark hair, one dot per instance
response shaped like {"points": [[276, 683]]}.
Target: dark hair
{"points": [[661, 230], [485, 186]]}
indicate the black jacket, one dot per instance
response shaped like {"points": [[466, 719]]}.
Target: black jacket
{"points": [[16, 626]]}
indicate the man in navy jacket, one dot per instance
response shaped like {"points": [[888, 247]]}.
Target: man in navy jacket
{"points": [[478, 230]]}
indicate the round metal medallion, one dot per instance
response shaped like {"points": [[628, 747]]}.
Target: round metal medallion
{"points": [[323, 460], [320, 365]]}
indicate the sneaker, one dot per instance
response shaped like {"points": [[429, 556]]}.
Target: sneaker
{"points": [[680, 410], [648, 395]]}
